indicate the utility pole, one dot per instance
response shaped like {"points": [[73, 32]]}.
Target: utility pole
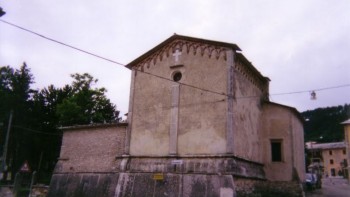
{"points": [[4, 155]]}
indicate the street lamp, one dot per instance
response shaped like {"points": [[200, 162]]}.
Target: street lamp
{"points": [[2, 12]]}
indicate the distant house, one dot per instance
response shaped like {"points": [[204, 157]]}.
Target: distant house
{"points": [[331, 157]]}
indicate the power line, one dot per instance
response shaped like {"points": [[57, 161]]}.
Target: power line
{"points": [[36, 131], [319, 89], [164, 78], [61, 43], [98, 56]]}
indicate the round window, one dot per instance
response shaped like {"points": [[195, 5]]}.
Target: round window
{"points": [[177, 76]]}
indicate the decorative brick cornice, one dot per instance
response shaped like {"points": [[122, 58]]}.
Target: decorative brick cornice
{"points": [[196, 48], [247, 70]]}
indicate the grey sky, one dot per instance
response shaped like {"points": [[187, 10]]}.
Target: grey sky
{"points": [[299, 44]]}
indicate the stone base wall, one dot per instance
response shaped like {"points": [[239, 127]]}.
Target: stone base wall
{"points": [[245, 187], [256, 188], [83, 184], [140, 185], [167, 184]]}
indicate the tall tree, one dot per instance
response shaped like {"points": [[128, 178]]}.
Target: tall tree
{"points": [[15, 95], [35, 133], [87, 105], [6, 90], [77, 103]]}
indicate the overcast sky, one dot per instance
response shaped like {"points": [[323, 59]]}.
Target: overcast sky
{"points": [[301, 45]]}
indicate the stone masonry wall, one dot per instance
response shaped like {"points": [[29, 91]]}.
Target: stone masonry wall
{"points": [[258, 188], [91, 149], [140, 185]]}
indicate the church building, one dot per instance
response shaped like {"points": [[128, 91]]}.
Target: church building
{"points": [[200, 123]]}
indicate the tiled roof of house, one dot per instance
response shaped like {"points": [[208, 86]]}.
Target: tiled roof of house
{"points": [[333, 145], [346, 122]]}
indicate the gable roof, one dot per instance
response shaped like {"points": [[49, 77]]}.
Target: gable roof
{"points": [[292, 109], [251, 67], [186, 38]]}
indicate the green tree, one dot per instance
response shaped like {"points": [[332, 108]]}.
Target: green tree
{"points": [[77, 103], [86, 105], [46, 121], [35, 134], [16, 95], [6, 76]]}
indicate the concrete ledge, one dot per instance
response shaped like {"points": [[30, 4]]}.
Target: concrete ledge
{"points": [[196, 165]]}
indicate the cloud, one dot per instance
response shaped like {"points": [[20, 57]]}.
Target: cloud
{"points": [[299, 44]]}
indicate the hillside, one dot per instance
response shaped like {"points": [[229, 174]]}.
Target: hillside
{"points": [[323, 124]]}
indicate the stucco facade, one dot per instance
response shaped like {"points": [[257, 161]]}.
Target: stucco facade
{"points": [[333, 161], [199, 114], [332, 157], [282, 123]]}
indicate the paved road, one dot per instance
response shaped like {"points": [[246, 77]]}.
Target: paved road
{"points": [[332, 187]]}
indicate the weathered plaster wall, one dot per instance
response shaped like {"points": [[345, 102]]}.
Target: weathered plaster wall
{"points": [[281, 123], [298, 146], [247, 113], [91, 149], [151, 115], [201, 115]]}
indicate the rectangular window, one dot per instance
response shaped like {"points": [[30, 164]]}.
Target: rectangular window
{"points": [[330, 152], [276, 150], [331, 161], [344, 152]]}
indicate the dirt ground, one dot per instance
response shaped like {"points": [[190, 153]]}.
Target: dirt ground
{"points": [[5, 192]]}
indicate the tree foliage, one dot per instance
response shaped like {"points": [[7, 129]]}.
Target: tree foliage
{"points": [[323, 124], [38, 114], [16, 96], [86, 105]]}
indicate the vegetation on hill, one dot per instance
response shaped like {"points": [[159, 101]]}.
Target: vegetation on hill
{"points": [[323, 124]]}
